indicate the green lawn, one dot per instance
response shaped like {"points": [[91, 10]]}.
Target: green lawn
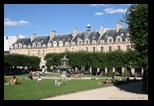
{"points": [[33, 90]]}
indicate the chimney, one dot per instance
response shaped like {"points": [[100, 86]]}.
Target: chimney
{"points": [[33, 36], [118, 26], [101, 30], [75, 32], [16, 38], [52, 34]]}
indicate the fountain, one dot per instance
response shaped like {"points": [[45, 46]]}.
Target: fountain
{"points": [[64, 66]]}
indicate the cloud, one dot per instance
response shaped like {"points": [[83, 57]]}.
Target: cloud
{"points": [[99, 13], [8, 22], [6, 19], [112, 11]]}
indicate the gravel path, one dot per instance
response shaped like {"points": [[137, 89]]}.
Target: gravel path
{"points": [[130, 91]]}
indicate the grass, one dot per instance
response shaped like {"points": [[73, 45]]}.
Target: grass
{"points": [[33, 90]]}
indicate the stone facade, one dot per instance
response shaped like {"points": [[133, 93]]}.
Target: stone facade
{"points": [[101, 41]]}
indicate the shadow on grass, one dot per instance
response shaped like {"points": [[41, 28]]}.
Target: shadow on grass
{"points": [[133, 86]]}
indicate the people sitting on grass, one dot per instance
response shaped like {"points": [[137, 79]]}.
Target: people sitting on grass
{"points": [[104, 82], [13, 80], [57, 83], [39, 79], [78, 75], [94, 78], [30, 75]]}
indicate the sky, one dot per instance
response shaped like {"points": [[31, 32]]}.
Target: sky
{"points": [[41, 19]]}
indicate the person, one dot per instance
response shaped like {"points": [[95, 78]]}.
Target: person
{"points": [[57, 83], [13, 80], [4, 80], [43, 72], [105, 82], [39, 79], [30, 75], [112, 80]]}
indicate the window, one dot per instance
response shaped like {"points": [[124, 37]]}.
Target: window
{"points": [[79, 42], [94, 49], [20, 46], [118, 40], [110, 48], [34, 45], [93, 41], [101, 41], [33, 52], [38, 45], [67, 44], [38, 52], [127, 39], [28, 52], [60, 43], [122, 34], [102, 49], [43, 52], [86, 49], [49, 44], [24, 46], [118, 47], [79, 49], [73, 50], [127, 34], [127, 47], [16, 46], [110, 40], [86, 42]]}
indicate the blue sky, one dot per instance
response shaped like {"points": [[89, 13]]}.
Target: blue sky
{"points": [[25, 19]]}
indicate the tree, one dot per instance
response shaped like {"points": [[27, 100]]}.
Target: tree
{"points": [[137, 20]]}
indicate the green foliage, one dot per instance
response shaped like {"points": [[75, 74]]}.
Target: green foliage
{"points": [[21, 60], [137, 20], [126, 73], [110, 72]]}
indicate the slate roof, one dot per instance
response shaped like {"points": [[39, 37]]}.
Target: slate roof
{"points": [[44, 39], [94, 35], [114, 34], [24, 41], [63, 37]]}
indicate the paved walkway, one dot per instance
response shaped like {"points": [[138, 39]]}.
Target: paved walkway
{"points": [[130, 91]]}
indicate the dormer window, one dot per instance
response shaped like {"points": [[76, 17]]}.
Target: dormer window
{"points": [[122, 34], [101, 41], [110, 40], [38, 45], [20, 45], [44, 45], [80, 42], [16, 46], [24, 46], [49, 44], [67, 44], [73, 43], [54, 43], [60, 43], [34, 45], [94, 42], [127, 39]]}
